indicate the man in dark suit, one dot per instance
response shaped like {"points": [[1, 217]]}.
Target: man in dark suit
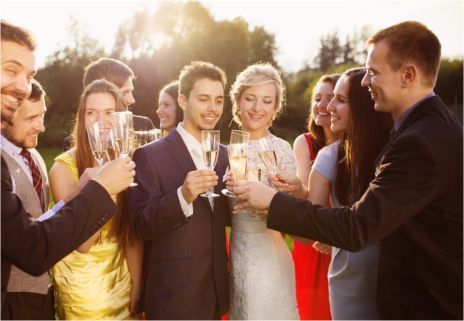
{"points": [[120, 74], [414, 204], [187, 270], [34, 246]]}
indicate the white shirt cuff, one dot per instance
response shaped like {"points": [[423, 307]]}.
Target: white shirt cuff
{"points": [[51, 212], [186, 208]]}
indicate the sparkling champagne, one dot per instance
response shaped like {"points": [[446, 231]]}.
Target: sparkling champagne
{"points": [[111, 153], [123, 145], [238, 166], [210, 157], [253, 174], [269, 158]]}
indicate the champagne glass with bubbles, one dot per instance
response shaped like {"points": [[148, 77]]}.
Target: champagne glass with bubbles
{"points": [[97, 141], [236, 151], [210, 141], [123, 132], [268, 155]]}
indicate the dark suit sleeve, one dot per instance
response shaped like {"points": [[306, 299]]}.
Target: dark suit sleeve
{"points": [[405, 183], [36, 246], [153, 210]]}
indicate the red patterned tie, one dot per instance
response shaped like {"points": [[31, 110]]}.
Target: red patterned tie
{"points": [[36, 175]]}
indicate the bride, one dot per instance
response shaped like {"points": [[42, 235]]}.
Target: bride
{"points": [[262, 272]]}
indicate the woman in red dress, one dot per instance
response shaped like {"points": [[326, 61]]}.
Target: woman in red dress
{"points": [[312, 259]]}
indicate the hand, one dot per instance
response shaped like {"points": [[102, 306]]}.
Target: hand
{"points": [[322, 247], [288, 182], [198, 182], [230, 183], [115, 176], [253, 194]]}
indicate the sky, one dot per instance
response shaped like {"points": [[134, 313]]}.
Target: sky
{"points": [[297, 25]]}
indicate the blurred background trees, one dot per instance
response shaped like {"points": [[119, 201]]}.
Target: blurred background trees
{"points": [[157, 45]]}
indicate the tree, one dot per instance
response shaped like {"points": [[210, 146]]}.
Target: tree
{"points": [[62, 80]]}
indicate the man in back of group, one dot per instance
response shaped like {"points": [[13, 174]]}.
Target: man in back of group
{"points": [[414, 203], [26, 294], [34, 246], [122, 76]]}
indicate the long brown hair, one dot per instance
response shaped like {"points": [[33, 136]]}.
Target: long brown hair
{"points": [[367, 133], [84, 159]]}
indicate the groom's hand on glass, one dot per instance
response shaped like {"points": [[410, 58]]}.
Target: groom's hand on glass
{"points": [[198, 182], [253, 195], [116, 176]]}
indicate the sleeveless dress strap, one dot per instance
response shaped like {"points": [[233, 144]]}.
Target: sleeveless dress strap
{"points": [[312, 155]]}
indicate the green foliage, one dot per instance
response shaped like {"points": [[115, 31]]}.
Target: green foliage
{"points": [[450, 84], [157, 45]]}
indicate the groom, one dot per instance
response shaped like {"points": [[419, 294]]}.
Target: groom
{"points": [[187, 269]]}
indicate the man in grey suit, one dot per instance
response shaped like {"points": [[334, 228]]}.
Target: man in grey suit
{"points": [[28, 296]]}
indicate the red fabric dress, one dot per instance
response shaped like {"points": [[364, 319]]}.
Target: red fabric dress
{"points": [[312, 290]]}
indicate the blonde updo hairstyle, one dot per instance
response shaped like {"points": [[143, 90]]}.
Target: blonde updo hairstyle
{"points": [[256, 75]]}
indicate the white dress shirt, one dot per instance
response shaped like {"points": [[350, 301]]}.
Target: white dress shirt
{"points": [[195, 149]]}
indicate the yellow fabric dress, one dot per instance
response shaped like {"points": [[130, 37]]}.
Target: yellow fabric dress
{"points": [[93, 285]]}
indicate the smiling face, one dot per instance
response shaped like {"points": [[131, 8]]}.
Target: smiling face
{"points": [[383, 82], [166, 111], [339, 107], [323, 94], [98, 107], [27, 125], [18, 69], [203, 107], [257, 108]]}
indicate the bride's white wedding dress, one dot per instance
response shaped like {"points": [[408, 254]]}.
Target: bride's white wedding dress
{"points": [[262, 271]]}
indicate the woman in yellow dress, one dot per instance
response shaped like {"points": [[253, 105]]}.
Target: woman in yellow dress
{"points": [[101, 278]]}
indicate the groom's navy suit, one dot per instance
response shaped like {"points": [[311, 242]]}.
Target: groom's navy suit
{"points": [[187, 274]]}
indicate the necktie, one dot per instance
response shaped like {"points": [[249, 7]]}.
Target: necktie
{"points": [[36, 175]]}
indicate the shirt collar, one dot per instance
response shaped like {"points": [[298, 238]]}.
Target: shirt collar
{"points": [[190, 141], [9, 147], [408, 111]]}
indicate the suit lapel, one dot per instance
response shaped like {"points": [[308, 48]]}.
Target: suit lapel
{"points": [[179, 151]]}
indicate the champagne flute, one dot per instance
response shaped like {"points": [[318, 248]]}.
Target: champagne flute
{"points": [[123, 131], [122, 127], [237, 156], [267, 154], [97, 141], [210, 141], [111, 150]]}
